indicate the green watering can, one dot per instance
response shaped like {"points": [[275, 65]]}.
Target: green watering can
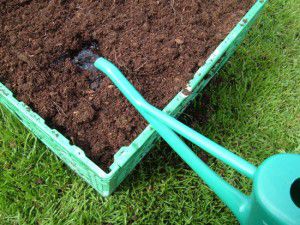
{"points": [[275, 197]]}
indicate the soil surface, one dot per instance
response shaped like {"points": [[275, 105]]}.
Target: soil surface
{"points": [[157, 44]]}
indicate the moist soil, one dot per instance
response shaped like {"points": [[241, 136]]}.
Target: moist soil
{"points": [[157, 44]]}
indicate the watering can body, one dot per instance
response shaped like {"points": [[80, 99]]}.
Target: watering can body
{"points": [[275, 197]]}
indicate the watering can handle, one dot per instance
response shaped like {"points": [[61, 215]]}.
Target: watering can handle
{"points": [[165, 125]]}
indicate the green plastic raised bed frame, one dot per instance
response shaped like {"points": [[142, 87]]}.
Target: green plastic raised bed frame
{"points": [[128, 156]]}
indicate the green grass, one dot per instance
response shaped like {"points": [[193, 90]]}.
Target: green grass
{"points": [[254, 112]]}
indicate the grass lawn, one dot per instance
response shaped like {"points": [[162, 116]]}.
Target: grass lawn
{"points": [[253, 110]]}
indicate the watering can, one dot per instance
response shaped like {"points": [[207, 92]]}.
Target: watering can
{"points": [[275, 197]]}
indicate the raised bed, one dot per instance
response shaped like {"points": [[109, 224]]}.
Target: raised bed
{"points": [[128, 156]]}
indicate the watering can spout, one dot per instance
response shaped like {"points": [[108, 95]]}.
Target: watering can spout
{"points": [[166, 126], [275, 197]]}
